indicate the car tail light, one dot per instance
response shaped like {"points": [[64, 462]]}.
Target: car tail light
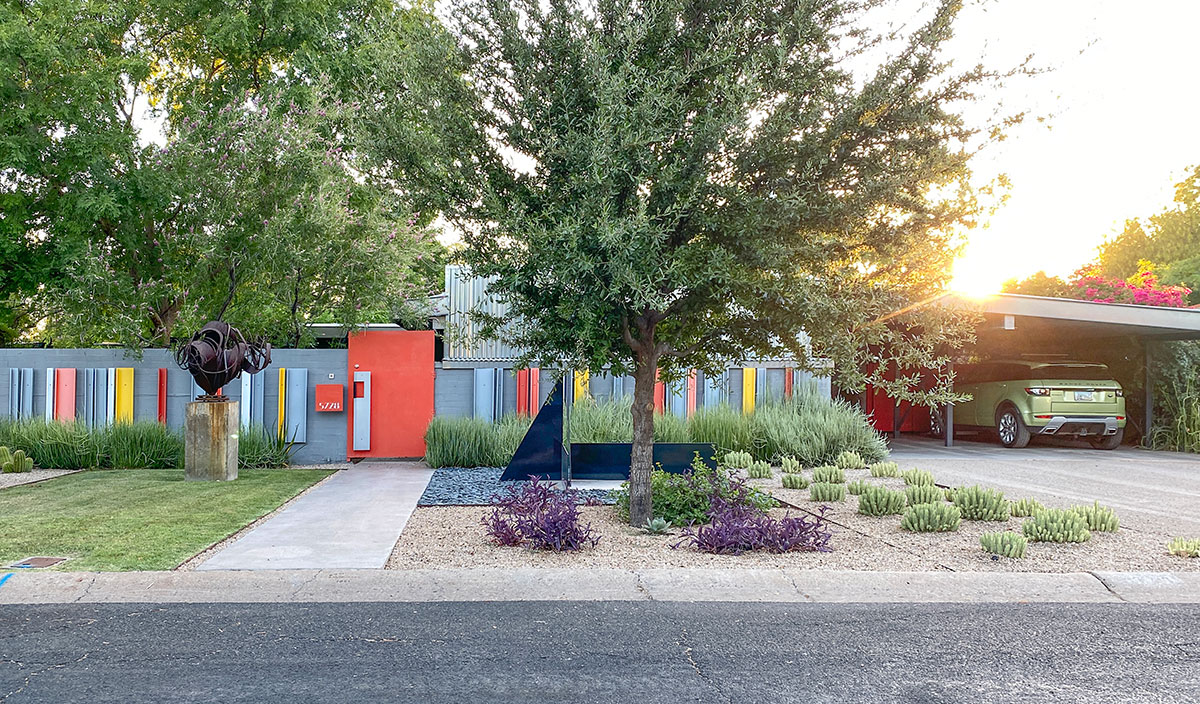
{"points": [[1120, 417], [1038, 391], [1043, 415]]}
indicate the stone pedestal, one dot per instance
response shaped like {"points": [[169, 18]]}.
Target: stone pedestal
{"points": [[211, 441]]}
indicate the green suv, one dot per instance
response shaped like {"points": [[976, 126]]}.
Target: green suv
{"points": [[1020, 398]]}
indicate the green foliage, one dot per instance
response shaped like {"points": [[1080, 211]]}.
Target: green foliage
{"points": [[737, 460], [823, 491], [880, 501], [828, 475], [463, 442], [1004, 543], [850, 460], [14, 462], [950, 492], [759, 470], [1098, 518], [794, 481], [683, 499], [923, 494], [259, 448], [811, 428], [1055, 525], [1024, 507], [980, 504], [723, 426], [1184, 547], [55, 445], [145, 445], [857, 487], [668, 428], [917, 477], [931, 518], [1178, 428], [789, 465], [656, 526], [885, 469]]}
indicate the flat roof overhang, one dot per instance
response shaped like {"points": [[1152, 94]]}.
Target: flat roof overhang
{"points": [[1040, 316]]}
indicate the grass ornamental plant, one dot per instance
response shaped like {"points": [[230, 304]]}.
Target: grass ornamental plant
{"points": [[885, 469], [1056, 525], [980, 504], [1184, 547], [759, 469], [923, 494], [917, 477], [1025, 507], [931, 518], [1004, 543], [1098, 518], [789, 465], [824, 491], [828, 475], [850, 460], [794, 481], [538, 515], [880, 501]]}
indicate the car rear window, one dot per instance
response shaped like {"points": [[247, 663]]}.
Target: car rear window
{"points": [[1069, 371]]}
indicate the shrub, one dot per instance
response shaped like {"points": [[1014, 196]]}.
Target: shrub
{"points": [[880, 501], [931, 518], [55, 445], [789, 465], [884, 469], [1025, 507], [734, 529], [1055, 525], [917, 477], [539, 516], [1005, 543], [143, 445], [813, 429], [979, 504], [794, 481], [656, 526], [1098, 518], [687, 498], [1184, 547], [850, 460], [857, 487], [829, 475], [725, 427], [462, 442], [14, 462], [259, 448], [759, 470], [824, 491], [737, 460], [922, 494]]}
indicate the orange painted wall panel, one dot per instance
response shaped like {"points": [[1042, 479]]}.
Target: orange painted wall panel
{"points": [[401, 366], [64, 394]]}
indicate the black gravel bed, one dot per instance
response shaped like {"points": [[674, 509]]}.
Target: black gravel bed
{"points": [[460, 486]]}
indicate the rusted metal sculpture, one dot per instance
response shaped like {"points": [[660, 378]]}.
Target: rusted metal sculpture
{"points": [[217, 354]]}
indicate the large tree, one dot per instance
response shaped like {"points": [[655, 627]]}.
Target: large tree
{"points": [[656, 186]]}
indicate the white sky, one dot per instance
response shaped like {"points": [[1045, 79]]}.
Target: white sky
{"points": [[1123, 129]]}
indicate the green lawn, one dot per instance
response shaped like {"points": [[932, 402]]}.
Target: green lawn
{"points": [[136, 519]]}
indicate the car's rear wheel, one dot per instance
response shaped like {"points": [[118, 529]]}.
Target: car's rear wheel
{"points": [[1010, 428], [1108, 442], [936, 427]]}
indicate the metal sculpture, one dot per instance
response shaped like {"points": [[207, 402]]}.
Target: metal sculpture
{"points": [[217, 354]]}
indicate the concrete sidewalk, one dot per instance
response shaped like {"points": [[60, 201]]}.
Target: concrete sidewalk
{"points": [[530, 584], [350, 521]]}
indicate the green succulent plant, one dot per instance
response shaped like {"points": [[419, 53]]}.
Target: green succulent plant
{"points": [[917, 477], [885, 469], [656, 526], [950, 492], [923, 494], [794, 481], [737, 459], [789, 465], [14, 462], [858, 486], [1025, 507], [825, 491], [1056, 525], [1004, 543], [829, 475], [931, 518], [980, 504], [1184, 547], [850, 460], [880, 501], [1098, 518], [759, 470]]}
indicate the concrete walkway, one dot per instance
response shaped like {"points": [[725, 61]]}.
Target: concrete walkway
{"points": [[351, 521], [567, 584]]}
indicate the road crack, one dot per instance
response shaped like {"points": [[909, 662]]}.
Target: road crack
{"points": [[704, 677]]}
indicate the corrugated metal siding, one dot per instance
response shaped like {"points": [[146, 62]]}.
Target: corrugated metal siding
{"points": [[465, 295]]}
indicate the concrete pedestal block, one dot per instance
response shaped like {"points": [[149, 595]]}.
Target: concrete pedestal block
{"points": [[211, 441]]}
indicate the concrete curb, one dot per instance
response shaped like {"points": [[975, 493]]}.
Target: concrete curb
{"points": [[530, 584]]}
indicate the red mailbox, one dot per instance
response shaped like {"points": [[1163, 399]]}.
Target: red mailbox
{"points": [[329, 397]]}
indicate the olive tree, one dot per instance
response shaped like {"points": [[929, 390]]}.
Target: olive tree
{"points": [[655, 186]]}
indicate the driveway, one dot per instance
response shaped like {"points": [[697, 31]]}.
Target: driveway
{"points": [[1158, 491]]}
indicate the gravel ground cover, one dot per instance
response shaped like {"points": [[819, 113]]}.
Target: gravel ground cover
{"points": [[37, 475], [443, 536], [458, 486]]}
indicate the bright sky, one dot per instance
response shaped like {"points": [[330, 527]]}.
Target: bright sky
{"points": [[1122, 132]]}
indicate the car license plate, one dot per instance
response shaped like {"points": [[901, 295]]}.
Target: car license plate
{"points": [[1084, 395]]}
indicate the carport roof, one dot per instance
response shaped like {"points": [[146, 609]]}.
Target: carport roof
{"points": [[1061, 317]]}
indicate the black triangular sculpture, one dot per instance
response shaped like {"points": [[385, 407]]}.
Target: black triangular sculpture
{"points": [[540, 453]]}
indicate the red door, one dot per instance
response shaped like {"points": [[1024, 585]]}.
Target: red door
{"points": [[391, 383]]}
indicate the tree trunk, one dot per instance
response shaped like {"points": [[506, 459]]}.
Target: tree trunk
{"points": [[641, 461]]}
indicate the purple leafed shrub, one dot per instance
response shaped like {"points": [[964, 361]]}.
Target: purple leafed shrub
{"points": [[737, 528], [540, 516]]}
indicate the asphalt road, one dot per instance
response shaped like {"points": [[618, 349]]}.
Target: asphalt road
{"points": [[651, 653]]}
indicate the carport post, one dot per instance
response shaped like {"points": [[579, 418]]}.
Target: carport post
{"points": [[948, 416], [1149, 384]]}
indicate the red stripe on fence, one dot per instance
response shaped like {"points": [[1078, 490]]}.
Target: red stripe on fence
{"points": [[162, 395]]}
